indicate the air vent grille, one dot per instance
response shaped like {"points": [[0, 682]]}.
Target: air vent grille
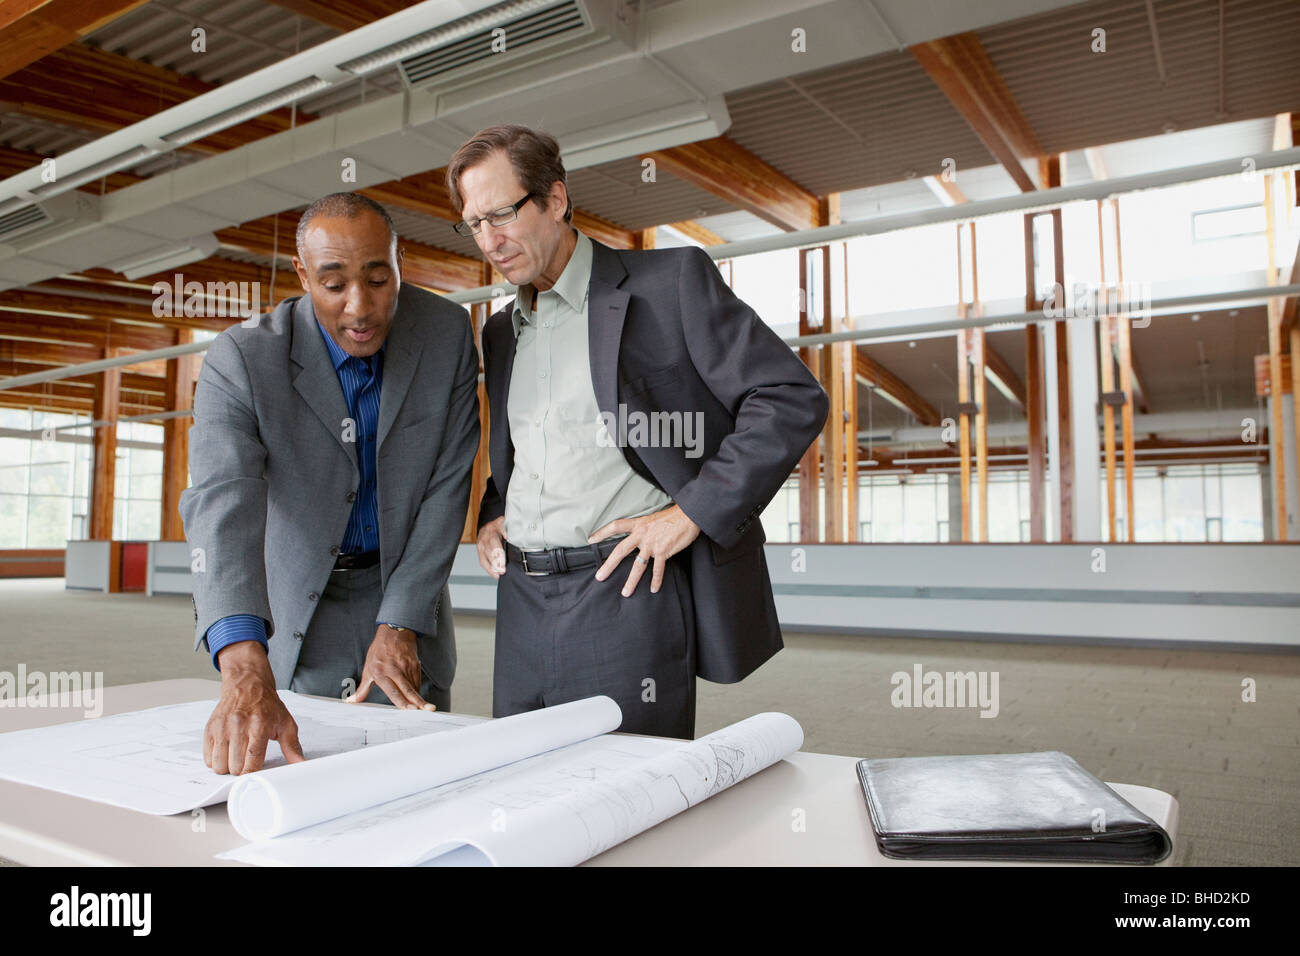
{"points": [[555, 23]]}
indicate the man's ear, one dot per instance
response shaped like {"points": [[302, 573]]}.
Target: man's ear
{"points": [[558, 200], [301, 269], [401, 261]]}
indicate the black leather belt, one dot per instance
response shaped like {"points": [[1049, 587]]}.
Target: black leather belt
{"points": [[355, 562], [562, 560]]}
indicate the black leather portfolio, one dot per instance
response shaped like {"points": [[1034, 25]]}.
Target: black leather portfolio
{"points": [[1040, 806]]}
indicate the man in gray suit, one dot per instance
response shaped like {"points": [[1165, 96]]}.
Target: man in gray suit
{"points": [[642, 418], [330, 455]]}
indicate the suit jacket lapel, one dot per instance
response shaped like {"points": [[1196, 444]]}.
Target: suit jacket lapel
{"points": [[401, 357], [606, 313], [503, 352], [315, 380]]}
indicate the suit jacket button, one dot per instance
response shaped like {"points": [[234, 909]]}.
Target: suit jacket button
{"points": [[297, 635], [313, 596], [352, 496], [334, 550]]}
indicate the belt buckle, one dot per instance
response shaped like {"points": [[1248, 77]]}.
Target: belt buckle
{"points": [[523, 559]]}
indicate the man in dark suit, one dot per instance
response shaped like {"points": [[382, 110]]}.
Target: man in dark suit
{"points": [[331, 453], [642, 417]]}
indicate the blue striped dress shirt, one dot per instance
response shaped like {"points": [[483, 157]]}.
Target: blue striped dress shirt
{"points": [[362, 380]]}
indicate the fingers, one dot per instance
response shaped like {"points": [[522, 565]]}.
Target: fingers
{"points": [[236, 744], [657, 575], [255, 753], [207, 743], [621, 551], [634, 576], [399, 691], [288, 739], [619, 526], [491, 548], [367, 682]]}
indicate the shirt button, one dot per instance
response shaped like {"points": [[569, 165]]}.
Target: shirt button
{"points": [[368, 528], [313, 596], [537, 422], [533, 476], [352, 496], [546, 324], [532, 527], [542, 373]]}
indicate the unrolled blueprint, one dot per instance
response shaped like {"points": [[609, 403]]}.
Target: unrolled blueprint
{"points": [[152, 760], [558, 808]]}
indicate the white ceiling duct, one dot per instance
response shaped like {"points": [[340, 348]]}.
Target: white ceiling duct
{"points": [[607, 81]]}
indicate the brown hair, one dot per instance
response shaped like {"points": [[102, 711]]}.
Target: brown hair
{"points": [[533, 155]]}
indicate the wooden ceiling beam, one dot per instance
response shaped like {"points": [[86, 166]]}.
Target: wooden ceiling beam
{"points": [[343, 15], [100, 332], [422, 265], [726, 169], [40, 300], [998, 370], [693, 230], [31, 29], [882, 378], [101, 92], [960, 66]]}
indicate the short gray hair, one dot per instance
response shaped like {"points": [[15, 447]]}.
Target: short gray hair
{"points": [[342, 206]]}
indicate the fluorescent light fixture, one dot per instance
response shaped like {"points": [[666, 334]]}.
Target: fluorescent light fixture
{"points": [[167, 257]]}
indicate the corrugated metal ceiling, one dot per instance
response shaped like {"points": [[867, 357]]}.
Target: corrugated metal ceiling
{"points": [[1075, 98]]}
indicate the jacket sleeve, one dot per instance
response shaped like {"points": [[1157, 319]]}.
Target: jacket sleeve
{"points": [[224, 509], [778, 407], [416, 582]]}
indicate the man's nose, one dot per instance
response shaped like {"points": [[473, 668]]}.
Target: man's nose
{"points": [[490, 237], [358, 299]]}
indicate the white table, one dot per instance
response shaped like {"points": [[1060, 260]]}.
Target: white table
{"points": [[753, 823]]}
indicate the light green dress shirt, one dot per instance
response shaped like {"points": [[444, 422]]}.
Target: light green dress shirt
{"points": [[565, 484]]}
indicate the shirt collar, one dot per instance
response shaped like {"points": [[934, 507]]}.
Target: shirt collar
{"points": [[337, 355], [571, 286]]}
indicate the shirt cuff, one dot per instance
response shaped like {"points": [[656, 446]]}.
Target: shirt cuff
{"points": [[232, 630], [400, 624]]}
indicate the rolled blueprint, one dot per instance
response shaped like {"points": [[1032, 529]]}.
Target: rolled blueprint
{"points": [[282, 799]]}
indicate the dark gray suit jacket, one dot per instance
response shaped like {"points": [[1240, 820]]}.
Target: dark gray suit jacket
{"points": [[274, 474], [666, 334]]}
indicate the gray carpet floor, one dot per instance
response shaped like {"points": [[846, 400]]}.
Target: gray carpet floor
{"points": [[1170, 719]]}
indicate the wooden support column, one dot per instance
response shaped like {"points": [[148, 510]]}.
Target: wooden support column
{"points": [[182, 373], [971, 389], [1106, 353], [977, 358], [832, 377], [108, 398], [1036, 449], [824, 361], [1127, 382], [1064, 452], [963, 390], [810, 463], [848, 364], [1276, 438]]}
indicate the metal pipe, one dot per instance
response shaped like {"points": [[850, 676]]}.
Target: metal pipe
{"points": [[1042, 199]]}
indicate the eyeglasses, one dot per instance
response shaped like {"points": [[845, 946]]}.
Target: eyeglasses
{"points": [[497, 217]]}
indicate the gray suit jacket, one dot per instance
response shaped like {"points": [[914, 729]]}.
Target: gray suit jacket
{"points": [[274, 475]]}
